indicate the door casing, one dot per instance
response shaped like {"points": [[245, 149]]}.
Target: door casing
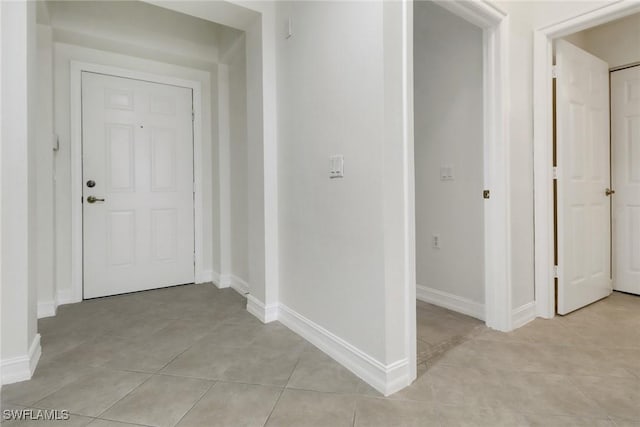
{"points": [[76, 69], [543, 141]]}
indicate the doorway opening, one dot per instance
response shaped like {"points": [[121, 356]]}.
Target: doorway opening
{"points": [[449, 178], [460, 164], [594, 193]]}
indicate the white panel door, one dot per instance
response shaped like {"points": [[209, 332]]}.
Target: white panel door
{"points": [[137, 154], [584, 215], [625, 148]]}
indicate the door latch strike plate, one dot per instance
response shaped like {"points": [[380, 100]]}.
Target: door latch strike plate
{"points": [[486, 194]]}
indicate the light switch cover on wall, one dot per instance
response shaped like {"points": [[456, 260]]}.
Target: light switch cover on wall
{"points": [[446, 173], [336, 166]]}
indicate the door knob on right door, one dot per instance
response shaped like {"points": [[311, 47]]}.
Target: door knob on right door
{"points": [[609, 192]]}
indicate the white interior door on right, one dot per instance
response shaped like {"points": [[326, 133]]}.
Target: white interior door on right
{"points": [[625, 149], [583, 160]]}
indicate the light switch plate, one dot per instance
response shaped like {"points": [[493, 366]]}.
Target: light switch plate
{"points": [[336, 166], [446, 173]]}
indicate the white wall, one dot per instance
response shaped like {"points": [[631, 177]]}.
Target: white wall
{"points": [[239, 203], [616, 42], [342, 266], [136, 24], [232, 160], [331, 101], [19, 345], [448, 129], [44, 175]]}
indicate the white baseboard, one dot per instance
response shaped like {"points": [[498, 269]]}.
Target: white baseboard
{"points": [[265, 314], [21, 368], [524, 314], [239, 285], [387, 379], [205, 277], [221, 280], [50, 308], [215, 277], [65, 296], [225, 281], [450, 301], [47, 309]]}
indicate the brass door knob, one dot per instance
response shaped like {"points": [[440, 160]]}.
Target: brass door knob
{"points": [[609, 192], [93, 199]]}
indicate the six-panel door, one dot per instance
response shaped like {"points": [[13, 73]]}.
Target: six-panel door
{"points": [[137, 142], [625, 148], [584, 216]]}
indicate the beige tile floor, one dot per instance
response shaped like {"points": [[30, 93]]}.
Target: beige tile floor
{"points": [[192, 356]]}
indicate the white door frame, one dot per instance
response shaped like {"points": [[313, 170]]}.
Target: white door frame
{"points": [[76, 69], [543, 140], [497, 218]]}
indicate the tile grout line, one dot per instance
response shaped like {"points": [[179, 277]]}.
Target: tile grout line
{"points": [[355, 412], [274, 407], [195, 403], [127, 394], [282, 390], [176, 356]]}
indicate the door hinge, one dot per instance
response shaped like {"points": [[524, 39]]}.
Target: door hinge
{"points": [[554, 71], [486, 194], [193, 116], [555, 272], [555, 172]]}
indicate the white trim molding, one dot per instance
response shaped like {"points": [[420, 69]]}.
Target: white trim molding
{"points": [[225, 281], [543, 140], [21, 368], [387, 379], [450, 301], [215, 278], [221, 280], [206, 277], [264, 313], [76, 70], [50, 308], [523, 314], [239, 285], [64, 296], [47, 309]]}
